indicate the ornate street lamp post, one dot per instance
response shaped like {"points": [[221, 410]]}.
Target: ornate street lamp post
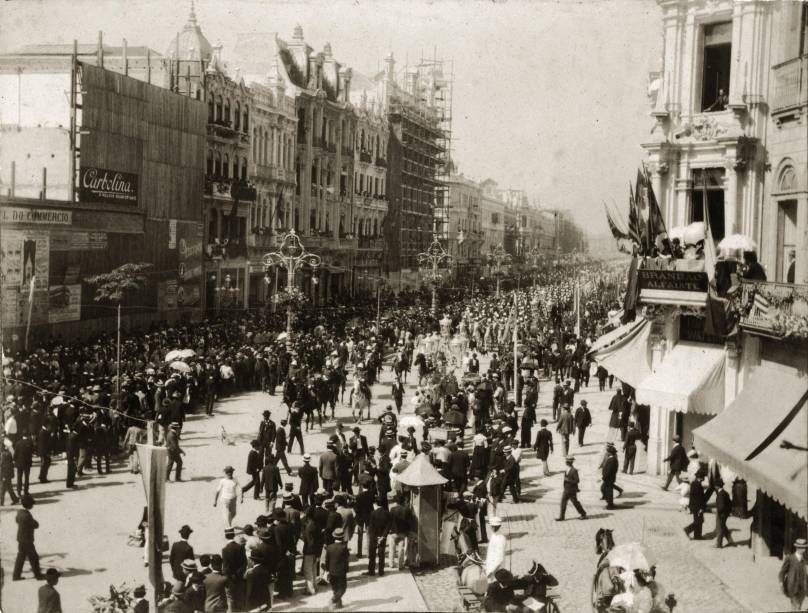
{"points": [[498, 258], [227, 293], [291, 255], [429, 262], [534, 255]]}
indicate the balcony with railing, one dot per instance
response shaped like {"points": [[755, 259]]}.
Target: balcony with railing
{"points": [[222, 128], [778, 310], [790, 85], [220, 187]]}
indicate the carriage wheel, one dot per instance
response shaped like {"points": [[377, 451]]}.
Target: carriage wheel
{"points": [[597, 607]]}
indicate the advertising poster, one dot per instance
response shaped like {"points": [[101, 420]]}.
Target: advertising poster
{"points": [[78, 241], [26, 253], [110, 186], [189, 256], [167, 295], [64, 303]]}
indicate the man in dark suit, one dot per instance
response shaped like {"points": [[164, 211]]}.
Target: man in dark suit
{"points": [[696, 504], [363, 507], [234, 563], [49, 599], [72, 453], [544, 446], [378, 529], [557, 393], [266, 433], [280, 447], [358, 445], [175, 453], [286, 542], [336, 563], [180, 550], [723, 509], [630, 448], [678, 461], [216, 587], [583, 419], [609, 475], [308, 481], [459, 462], [141, 603], [26, 524], [271, 478], [570, 493], [43, 449], [254, 468], [23, 459]]}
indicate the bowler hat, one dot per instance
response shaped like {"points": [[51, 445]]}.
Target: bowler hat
{"points": [[570, 459], [185, 530], [139, 591], [188, 564]]}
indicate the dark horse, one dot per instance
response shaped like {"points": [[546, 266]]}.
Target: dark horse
{"points": [[604, 542]]}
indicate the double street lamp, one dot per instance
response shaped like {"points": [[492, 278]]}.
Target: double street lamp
{"points": [[291, 255], [430, 262], [498, 258], [380, 281]]}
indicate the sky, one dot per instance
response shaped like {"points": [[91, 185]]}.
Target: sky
{"points": [[549, 97]]}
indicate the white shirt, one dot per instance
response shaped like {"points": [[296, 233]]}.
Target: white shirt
{"points": [[227, 488], [495, 554]]}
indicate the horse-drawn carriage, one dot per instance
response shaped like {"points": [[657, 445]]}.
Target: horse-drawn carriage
{"points": [[625, 579]]}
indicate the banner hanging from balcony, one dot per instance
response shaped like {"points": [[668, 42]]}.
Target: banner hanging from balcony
{"points": [[108, 186]]}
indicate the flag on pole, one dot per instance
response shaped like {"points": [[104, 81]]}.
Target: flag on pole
{"points": [[153, 463], [709, 244]]}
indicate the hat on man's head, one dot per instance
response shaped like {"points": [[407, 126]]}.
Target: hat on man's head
{"points": [[185, 531], [139, 591], [287, 496], [495, 521], [801, 544], [570, 459], [307, 457], [504, 576], [339, 534], [188, 564], [278, 513], [229, 532]]}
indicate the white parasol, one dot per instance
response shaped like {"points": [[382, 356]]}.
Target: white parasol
{"points": [[172, 355], [187, 353], [677, 232], [282, 336], [631, 556], [411, 420], [694, 233], [180, 366], [739, 242]]}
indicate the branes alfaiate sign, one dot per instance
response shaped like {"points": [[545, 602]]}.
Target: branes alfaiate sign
{"points": [[110, 186]]}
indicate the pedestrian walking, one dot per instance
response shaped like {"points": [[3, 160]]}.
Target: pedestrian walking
{"points": [[544, 446], [49, 600], [336, 563], [609, 475], [175, 453], [254, 469], [228, 492], [180, 551], [271, 480], [565, 427], [280, 447], [696, 503], [26, 550], [23, 460], [723, 509], [44, 446], [309, 483], [6, 477], [677, 460], [616, 406], [794, 574], [630, 448], [583, 419], [570, 493], [378, 529]]}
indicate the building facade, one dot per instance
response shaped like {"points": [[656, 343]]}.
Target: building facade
{"points": [[463, 232]]}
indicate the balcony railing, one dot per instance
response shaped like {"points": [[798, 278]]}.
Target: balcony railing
{"points": [[221, 128], [230, 188], [790, 84], [774, 309]]}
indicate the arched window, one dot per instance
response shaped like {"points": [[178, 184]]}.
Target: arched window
{"points": [[243, 169], [217, 165], [226, 116], [211, 115], [237, 117], [209, 163], [219, 105], [245, 121], [226, 166]]}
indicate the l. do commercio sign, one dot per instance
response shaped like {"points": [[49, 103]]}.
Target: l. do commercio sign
{"points": [[110, 186]]}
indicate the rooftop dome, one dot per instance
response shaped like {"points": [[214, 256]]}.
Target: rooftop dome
{"points": [[190, 43]]}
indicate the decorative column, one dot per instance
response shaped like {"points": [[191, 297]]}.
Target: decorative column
{"points": [[801, 267], [659, 428], [730, 197]]}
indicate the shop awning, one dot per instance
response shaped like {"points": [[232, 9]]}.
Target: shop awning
{"points": [[746, 437], [690, 379], [610, 338], [628, 356]]}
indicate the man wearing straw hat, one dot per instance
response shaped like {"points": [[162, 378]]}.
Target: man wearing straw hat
{"points": [[794, 574]]}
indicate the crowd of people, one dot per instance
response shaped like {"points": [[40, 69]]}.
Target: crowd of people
{"points": [[66, 398]]}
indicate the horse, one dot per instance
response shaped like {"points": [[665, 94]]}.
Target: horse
{"points": [[471, 573], [604, 543]]}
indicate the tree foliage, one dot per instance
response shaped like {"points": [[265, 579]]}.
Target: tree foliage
{"points": [[114, 285]]}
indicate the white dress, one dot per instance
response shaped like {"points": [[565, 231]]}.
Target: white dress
{"points": [[495, 553]]}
